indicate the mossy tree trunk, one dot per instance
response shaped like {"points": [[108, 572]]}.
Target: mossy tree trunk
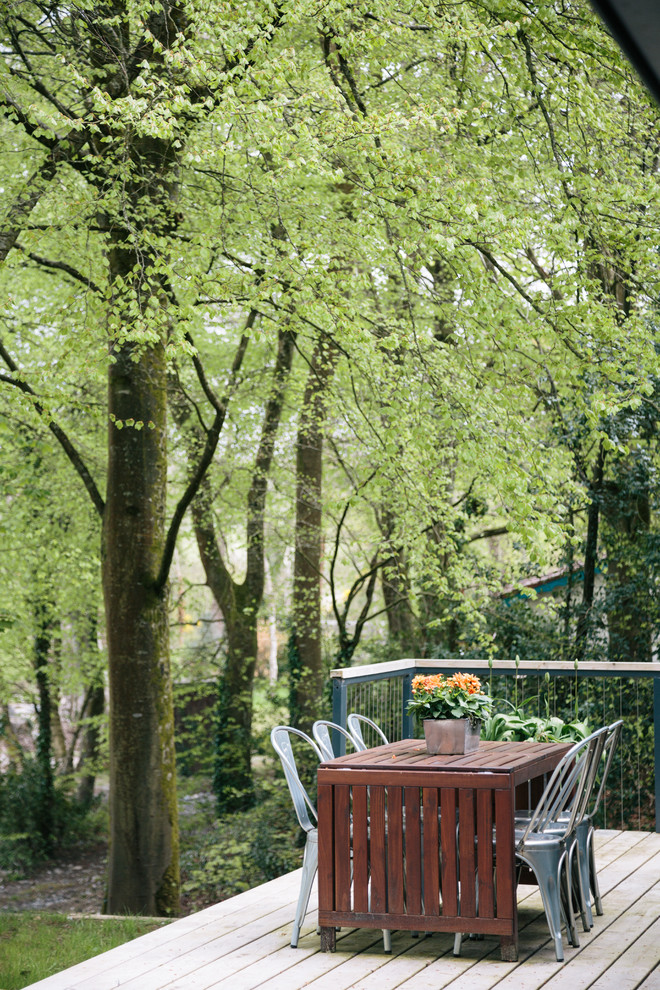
{"points": [[627, 514], [143, 869], [306, 673], [42, 648]]}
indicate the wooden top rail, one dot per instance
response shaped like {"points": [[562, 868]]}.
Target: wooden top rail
{"points": [[390, 668]]}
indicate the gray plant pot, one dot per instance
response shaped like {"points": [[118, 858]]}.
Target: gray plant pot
{"points": [[447, 736]]}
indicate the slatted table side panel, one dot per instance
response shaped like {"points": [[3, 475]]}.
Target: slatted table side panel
{"points": [[413, 850], [413, 854], [485, 862], [505, 856]]}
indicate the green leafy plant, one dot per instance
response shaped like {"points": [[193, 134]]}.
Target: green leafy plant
{"points": [[459, 696], [517, 725], [22, 842]]}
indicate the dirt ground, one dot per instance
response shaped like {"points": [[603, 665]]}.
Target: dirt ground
{"points": [[73, 886]]}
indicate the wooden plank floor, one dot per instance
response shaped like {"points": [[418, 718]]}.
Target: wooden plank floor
{"points": [[243, 943]]}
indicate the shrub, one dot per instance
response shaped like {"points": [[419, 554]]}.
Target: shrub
{"points": [[29, 831]]}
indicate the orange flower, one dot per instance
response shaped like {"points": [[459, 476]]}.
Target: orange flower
{"points": [[427, 682], [465, 682]]}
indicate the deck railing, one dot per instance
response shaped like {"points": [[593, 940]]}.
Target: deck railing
{"points": [[598, 693]]}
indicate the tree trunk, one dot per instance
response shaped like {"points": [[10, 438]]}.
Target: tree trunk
{"points": [[307, 676], [90, 745], [233, 782], [590, 558], [46, 797], [628, 517], [395, 583], [239, 602], [143, 869], [272, 624]]}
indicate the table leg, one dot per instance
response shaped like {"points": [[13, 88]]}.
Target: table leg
{"points": [[327, 939], [509, 948]]}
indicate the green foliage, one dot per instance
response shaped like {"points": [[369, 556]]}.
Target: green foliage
{"points": [[36, 946], [22, 841], [517, 725], [223, 856], [194, 714], [270, 708]]}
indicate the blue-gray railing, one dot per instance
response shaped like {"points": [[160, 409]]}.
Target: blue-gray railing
{"points": [[389, 688]]}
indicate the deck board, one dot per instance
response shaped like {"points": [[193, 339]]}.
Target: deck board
{"points": [[243, 944]]}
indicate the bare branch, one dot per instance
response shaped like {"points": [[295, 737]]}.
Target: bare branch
{"points": [[212, 438], [61, 266], [69, 449]]}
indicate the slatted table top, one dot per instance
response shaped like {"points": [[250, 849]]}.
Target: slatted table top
{"points": [[521, 760]]}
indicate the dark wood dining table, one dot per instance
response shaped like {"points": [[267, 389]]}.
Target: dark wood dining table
{"points": [[410, 841]]}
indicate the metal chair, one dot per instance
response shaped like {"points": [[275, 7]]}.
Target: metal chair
{"points": [[547, 841], [321, 730], [581, 850], [280, 737], [307, 817], [355, 723]]}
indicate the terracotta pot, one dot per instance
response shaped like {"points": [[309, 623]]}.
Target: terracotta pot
{"points": [[445, 736]]}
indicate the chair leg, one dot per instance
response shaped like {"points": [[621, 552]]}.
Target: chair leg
{"points": [[458, 941], [593, 875], [387, 941], [547, 867], [583, 871], [566, 900], [310, 865], [576, 885]]}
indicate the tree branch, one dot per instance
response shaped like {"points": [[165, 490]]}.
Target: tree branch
{"points": [[60, 266], [483, 250], [73, 455], [212, 438], [485, 534], [257, 494]]}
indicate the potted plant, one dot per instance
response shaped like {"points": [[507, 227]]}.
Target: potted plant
{"points": [[451, 710]]}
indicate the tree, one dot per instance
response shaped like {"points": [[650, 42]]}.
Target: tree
{"points": [[104, 101], [307, 674]]}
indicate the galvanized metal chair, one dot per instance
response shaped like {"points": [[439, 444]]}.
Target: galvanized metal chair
{"points": [[546, 838], [547, 841], [355, 723], [280, 737]]}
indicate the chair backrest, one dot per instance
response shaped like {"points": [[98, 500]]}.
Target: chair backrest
{"points": [[355, 722], [611, 742], [280, 737], [568, 790], [321, 730]]}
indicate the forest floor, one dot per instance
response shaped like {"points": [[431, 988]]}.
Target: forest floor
{"points": [[73, 885]]}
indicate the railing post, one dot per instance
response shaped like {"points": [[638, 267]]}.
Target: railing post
{"points": [[406, 719], [656, 745], [339, 711]]}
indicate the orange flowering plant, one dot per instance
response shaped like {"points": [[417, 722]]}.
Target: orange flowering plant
{"points": [[458, 696]]}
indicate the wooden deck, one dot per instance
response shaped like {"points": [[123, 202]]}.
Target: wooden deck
{"points": [[243, 943]]}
